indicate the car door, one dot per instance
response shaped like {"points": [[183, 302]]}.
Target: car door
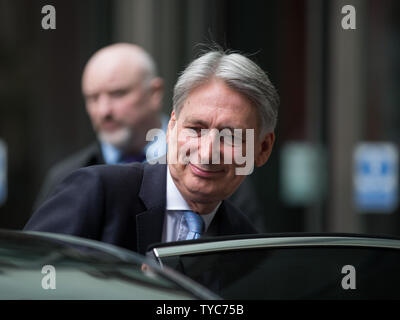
{"points": [[325, 266]]}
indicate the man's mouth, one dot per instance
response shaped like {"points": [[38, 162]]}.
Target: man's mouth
{"points": [[205, 172], [109, 125]]}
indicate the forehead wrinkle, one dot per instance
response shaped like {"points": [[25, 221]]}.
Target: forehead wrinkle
{"points": [[231, 127], [219, 106]]}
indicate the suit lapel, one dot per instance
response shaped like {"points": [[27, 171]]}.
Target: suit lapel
{"points": [[221, 225], [224, 222], [94, 155], [149, 224]]}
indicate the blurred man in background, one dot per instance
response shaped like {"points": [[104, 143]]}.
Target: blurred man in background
{"points": [[123, 97]]}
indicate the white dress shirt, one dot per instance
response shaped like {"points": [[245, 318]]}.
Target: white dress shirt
{"points": [[174, 228]]}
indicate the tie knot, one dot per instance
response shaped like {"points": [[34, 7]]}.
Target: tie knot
{"points": [[195, 224]]}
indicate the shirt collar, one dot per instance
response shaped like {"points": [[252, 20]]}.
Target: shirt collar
{"points": [[175, 201], [110, 153]]}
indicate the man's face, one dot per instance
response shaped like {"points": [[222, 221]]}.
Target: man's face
{"points": [[216, 107], [117, 101]]}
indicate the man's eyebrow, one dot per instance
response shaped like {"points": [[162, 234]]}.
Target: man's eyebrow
{"points": [[190, 121], [232, 129], [125, 87], [195, 122]]}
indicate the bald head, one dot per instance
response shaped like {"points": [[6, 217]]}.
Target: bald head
{"points": [[122, 94], [116, 58]]}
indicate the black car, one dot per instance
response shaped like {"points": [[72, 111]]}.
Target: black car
{"points": [[289, 266], [37, 265]]}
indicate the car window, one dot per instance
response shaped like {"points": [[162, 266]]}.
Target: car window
{"points": [[296, 273]]}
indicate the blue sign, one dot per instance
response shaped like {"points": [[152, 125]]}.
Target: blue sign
{"points": [[376, 177], [3, 172]]}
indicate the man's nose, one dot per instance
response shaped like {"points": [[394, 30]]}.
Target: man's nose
{"points": [[104, 106], [210, 147]]}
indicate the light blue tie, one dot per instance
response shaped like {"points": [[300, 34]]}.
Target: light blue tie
{"points": [[195, 224]]}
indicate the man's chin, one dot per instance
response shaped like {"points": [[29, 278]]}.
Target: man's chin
{"points": [[118, 138], [204, 195]]}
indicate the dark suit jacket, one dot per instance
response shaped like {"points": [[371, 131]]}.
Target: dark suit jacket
{"points": [[88, 156], [244, 198], [120, 204]]}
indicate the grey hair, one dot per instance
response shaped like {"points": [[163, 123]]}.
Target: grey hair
{"points": [[240, 74]]}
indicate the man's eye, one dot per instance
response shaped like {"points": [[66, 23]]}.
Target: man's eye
{"points": [[196, 129], [91, 98], [226, 136], [238, 139], [118, 93], [232, 140]]}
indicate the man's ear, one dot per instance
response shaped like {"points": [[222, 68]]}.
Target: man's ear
{"points": [[156, 91], [171, 124], [264, 149]]}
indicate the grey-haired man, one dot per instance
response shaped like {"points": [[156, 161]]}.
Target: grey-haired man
{"points": [[136, 205], [123, 99]]}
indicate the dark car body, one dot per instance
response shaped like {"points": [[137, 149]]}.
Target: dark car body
{"points": [[36, 265], [289, 266]]}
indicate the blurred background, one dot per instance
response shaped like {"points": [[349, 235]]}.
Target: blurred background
{"points": [[335, 162]]}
